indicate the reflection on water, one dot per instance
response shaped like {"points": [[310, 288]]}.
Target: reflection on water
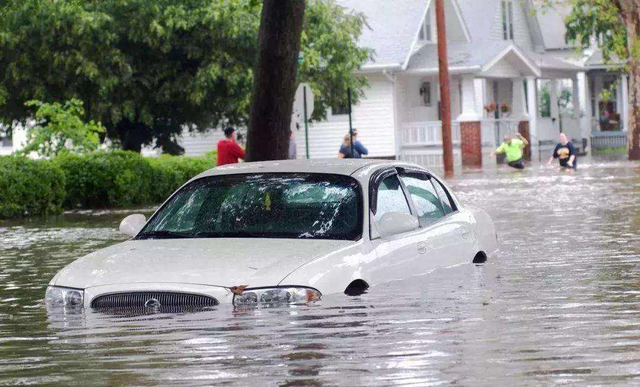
{"points": [[561, 304]]}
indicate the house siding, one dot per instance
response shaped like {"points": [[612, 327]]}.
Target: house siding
{"points": [[374, 118], [198, 144]]}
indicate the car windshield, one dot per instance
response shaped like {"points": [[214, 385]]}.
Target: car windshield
{"points": [[315, 206]]}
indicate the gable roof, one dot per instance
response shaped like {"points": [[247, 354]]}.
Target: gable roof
{"points": [[552, 24], [467, 58], [391, 28], [480, 16]]}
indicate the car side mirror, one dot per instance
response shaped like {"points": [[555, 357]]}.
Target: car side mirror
{"points": [[394, 223], [132, 224]]}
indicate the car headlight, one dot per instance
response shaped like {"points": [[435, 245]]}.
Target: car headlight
{"points": [[277, 295], [65, 297]]}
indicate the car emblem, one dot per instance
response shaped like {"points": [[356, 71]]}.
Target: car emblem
{"points": [[152, 303]]}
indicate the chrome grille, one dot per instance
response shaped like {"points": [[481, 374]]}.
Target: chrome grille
{"points": [[152, 300]]}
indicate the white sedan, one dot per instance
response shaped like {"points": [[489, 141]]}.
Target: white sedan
{"points": [[280, 232]]}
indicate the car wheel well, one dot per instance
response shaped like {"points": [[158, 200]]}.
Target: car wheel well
{"points": [[356, 288], [481, 257]]}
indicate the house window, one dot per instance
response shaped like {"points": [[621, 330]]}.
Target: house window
{"points": [[340, 109], [426, 31], [425, 92], [5, 138], [507, 19]]}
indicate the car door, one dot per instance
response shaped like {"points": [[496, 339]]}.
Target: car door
{"points": [[396, 255], [461, 240], [436, 229]]}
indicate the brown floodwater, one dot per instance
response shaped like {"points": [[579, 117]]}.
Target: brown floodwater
{"points": [[559, 305]]}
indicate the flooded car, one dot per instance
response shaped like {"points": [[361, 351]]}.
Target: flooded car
{"points": [[284, 232]]}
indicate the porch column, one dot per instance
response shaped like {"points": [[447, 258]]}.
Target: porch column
{"points": [[576, 97], [585, 96], [555, 110], [624, 85], [520, 114], [470, 125], [532, 97]]}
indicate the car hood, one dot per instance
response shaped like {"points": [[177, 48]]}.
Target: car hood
{"points": [[216, 262]]}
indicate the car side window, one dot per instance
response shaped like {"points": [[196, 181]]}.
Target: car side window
{"points": [[424, 197], [449, 206], [390, 198]]}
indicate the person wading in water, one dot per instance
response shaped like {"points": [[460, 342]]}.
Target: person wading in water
{"points": [[565, 152], [514, 149]]}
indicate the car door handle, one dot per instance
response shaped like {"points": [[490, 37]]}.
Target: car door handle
{"points": [[465, 232], [422, 247]]}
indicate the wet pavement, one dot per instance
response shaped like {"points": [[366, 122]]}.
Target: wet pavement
{"points": [[559, 305]]}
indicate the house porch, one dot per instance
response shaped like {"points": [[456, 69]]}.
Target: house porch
{"points": [[516, 99]]}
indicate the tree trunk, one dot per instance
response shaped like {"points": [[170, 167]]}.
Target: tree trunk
{"points": [[631, 16], [274, 79]]}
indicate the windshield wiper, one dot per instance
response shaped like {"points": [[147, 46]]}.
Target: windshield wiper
{"points": [[164, 235], [226, 234]]}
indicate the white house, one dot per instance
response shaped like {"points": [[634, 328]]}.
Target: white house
{"points": [[497, 54]]}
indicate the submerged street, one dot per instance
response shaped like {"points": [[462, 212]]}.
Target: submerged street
{"points": [[560, 304]]}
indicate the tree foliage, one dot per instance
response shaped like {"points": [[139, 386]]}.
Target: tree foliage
{"points": [[61, 128], [148, 68]]}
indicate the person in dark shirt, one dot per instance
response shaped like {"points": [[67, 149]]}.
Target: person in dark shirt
{"points": [[565, 152], [345, 149], [229, 152], [357, 145]]}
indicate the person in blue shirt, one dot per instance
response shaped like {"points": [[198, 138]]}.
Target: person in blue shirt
{"points": [[346, 151], [358, 147]]}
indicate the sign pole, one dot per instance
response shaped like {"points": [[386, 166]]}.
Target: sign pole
{"points": [[445, 91], [350, 121], [306, 123]]}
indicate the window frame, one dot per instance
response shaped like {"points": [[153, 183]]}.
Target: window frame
{"points": [[454, 204], [340, 110], [374, 183], [378, 176], [507, 20], [430, 178]]}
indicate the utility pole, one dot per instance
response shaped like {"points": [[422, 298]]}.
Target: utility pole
{"points": [[445, 92]]}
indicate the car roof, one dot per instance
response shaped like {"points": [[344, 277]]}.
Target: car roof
{"points": [[332, 166]]}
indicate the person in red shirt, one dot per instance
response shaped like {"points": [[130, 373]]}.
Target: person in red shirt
{"points": [[228, 149]]}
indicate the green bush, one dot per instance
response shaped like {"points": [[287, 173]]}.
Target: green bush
{"points": [[106, 179], [30, 187], [93, 180], [172, 172], [120, 179]]}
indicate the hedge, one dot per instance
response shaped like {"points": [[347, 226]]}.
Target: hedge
{"points": [[94, 180], [30, 187]]}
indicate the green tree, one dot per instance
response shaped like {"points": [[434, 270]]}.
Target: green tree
{"points": [[60, 128], [148, 68], [616, 23]]}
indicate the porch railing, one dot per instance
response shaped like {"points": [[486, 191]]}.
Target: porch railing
{"points": [[603, 140], [428, 133]]}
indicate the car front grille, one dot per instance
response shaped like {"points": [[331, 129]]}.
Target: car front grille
{"points": [[162, 301]]}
